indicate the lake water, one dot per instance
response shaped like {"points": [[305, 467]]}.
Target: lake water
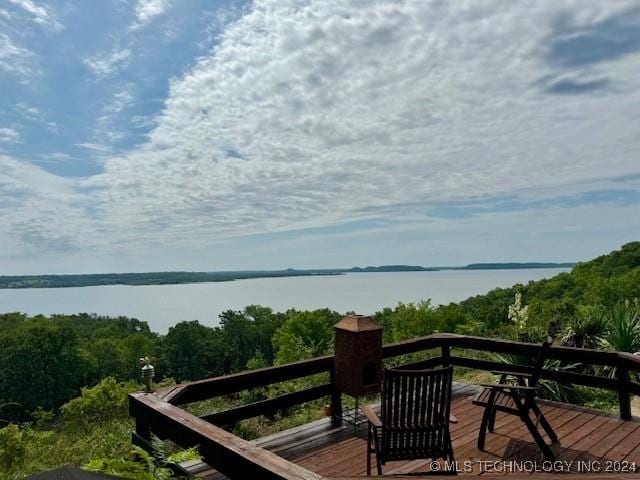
{"points": [[164, 305]]}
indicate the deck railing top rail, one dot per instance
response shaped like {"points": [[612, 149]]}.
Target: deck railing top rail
{"points": [[203, 389]]}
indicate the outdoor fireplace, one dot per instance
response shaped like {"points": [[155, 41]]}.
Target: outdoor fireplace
{"points": [[358, 355]]}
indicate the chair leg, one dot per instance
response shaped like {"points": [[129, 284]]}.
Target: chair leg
{"points": [[542, 445], [492, 421], [451, 460], [483, 427], [369, 451], [372, 447], [545, 423]]}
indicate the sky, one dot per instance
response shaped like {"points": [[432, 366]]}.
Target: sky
{"points": [[148, 135]]}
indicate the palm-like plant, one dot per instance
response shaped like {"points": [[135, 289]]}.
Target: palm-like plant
{"points": [[623, 332], [587, 329]]}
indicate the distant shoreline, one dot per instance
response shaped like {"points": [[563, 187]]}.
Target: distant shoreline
{"points": [[175, 278]]}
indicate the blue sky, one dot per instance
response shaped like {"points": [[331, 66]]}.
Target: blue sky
{"points": [[163, 134]]}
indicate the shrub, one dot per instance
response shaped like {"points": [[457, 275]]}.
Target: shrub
{"points": [[97, 405]]}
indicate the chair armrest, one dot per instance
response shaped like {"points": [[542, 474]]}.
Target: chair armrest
{"points": [[511, 374], [452, 418], [502, 386], [371, 416]]}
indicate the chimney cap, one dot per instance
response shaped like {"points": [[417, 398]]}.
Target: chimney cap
{"points": [[358, 323]]}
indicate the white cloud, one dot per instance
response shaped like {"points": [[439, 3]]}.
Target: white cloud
{"points": [[41, 14], [121, 100], [338, 110], [105, 65], [9, 135], [148, 10], [311, 114], [43, 212], [15, 59], [96, 147], [28, 111], [57, 157]]}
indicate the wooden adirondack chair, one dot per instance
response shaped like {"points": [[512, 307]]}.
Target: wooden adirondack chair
{"points": [[415, 416], [515, 394]]}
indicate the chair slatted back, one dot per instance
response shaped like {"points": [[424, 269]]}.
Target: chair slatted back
{"points": [[415, 413]]}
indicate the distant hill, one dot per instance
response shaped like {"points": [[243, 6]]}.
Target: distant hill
{"points": [[170, 278], [514, 265], [393, 268]]}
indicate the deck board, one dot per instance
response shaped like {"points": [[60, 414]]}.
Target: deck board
{"points": [[585, 435]]}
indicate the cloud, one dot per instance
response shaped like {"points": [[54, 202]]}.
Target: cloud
{"points": [[40, 13], [43, 211], [15, 59], [105, 65], [575, 87], [121, 100], [27, 111], [9, 135], [95, 147], [575, 44], [311, 115], [339, 112], [147, 10], [56, 157]]}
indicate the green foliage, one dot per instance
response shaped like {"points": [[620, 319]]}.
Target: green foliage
{"points": [[40, 366], [94, 425], [12, 447], [97, 405], [305, 335], [248, 333], [412, 320], [191, 351], [586, 329], [623, 332], [142, 465]]}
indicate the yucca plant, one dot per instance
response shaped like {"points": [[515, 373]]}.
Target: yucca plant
{"points": [[586, 329], [623, 332]]}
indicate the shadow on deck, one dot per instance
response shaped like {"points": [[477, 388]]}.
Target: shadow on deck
{"points": [[590, 442]]}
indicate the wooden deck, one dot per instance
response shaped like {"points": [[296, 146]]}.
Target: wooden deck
{"points": [[588, 438]]}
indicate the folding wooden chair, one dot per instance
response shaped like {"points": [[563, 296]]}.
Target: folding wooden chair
{"points": [[517, 399]]}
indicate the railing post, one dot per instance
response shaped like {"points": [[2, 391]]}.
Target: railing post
{"points": [[336, 401], [446, 355], [623, 392], [141, 436]]}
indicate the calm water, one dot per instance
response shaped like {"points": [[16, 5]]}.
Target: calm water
{"points": [[164, 305]]}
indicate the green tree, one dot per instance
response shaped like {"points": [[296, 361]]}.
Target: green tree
{"points": [[192, 351], [305, 335], [40, 365]]}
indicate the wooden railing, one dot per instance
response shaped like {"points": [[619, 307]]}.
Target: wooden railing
{"points": [[158, 413]]}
